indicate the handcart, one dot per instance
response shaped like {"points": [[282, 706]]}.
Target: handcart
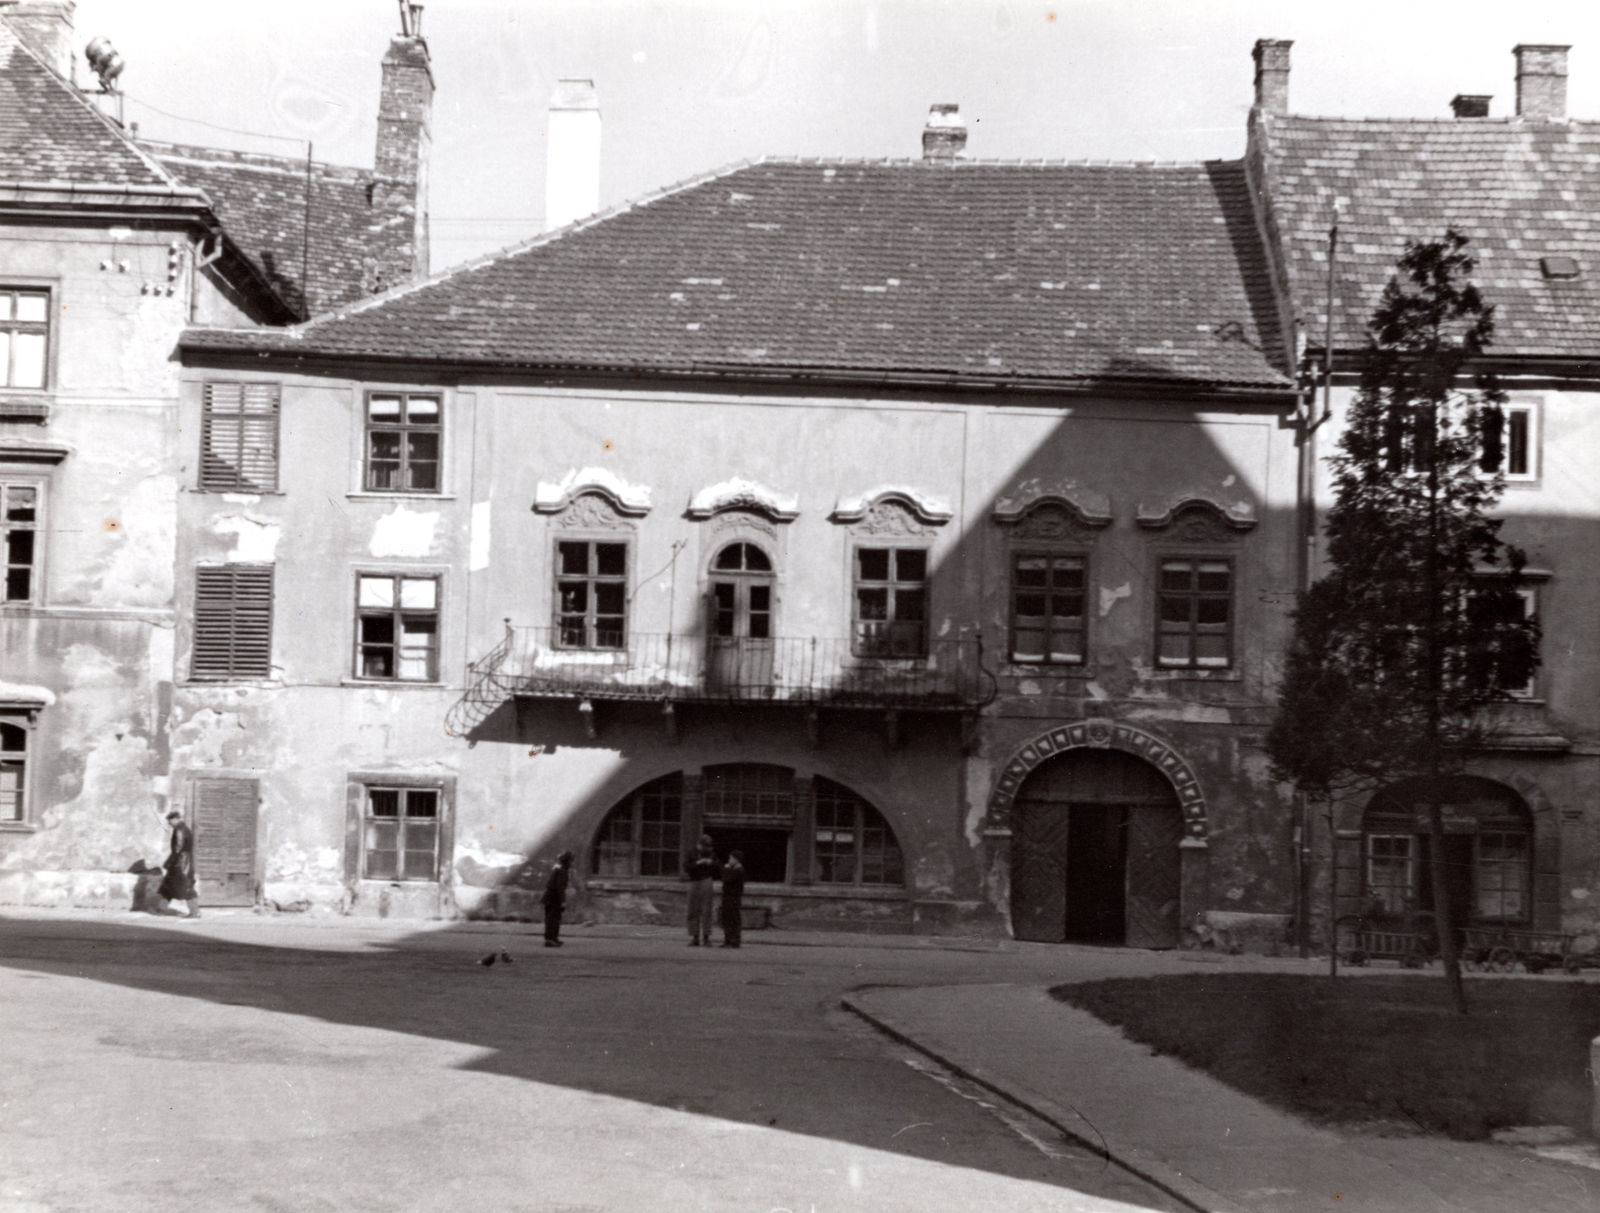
{"points": [[1501, 949], [1360, 941]]}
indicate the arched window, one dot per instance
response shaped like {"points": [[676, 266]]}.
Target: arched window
{"points": [[854, 845], [643, 836], [741, 593]]}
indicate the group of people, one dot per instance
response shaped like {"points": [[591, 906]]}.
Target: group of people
{"points": [[703, 872]]}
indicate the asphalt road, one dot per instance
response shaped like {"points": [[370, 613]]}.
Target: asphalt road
{"points": [[279, 1064]]}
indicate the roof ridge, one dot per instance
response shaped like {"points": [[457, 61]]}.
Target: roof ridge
{"points": [[1508, 120], [989, 162], [231, 157], [77, 97], [512, 250]]}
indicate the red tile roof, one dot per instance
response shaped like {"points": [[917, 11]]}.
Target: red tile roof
{"points": [[971, 270], [261, 201], [49, 133], [1521, 191]]}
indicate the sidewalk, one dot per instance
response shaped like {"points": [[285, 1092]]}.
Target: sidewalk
{"points": [[1205, 1143]]}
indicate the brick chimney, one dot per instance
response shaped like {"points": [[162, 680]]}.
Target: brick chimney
{"points": [[945, 134], [1470, 105], [1272, 75], [572, 154], [398, 247], [45, 26], [1541, 81]]}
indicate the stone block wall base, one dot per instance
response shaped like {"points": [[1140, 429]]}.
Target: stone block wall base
{"points": [[1236, 931], [377, 899], [73, 888]]}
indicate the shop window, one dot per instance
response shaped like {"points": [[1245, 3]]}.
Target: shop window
{"points": [[24, 337], [397, 627], [891, 602], [19, 532], [1195, 616], [643, 836], [404, 437], [592, 594], [1047, 608], [401, 834], [232, 622], [239, 438], [1390, 876], [14, 736], [854, 845]]}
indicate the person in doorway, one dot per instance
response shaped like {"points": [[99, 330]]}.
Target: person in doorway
{"points": [[702, 871], [178, 884], [733, 899], [554, 900]]}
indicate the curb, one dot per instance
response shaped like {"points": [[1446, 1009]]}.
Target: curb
{"points": [[1068, 1121]]}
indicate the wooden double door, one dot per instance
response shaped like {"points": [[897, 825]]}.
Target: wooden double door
{"points": [[1094, 852]]}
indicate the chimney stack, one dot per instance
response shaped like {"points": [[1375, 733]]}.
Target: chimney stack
{"points": [[1470, 105], [1272, 75], [45, 26], [1541, 82], [572, 154], [399, 245], [946, 133]]}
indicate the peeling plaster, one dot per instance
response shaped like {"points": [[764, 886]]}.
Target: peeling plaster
{"points": [[403, 532], [980, 776], [1185, 711], [934, 873], [290, 861], [255, 539], [1109, 597]]}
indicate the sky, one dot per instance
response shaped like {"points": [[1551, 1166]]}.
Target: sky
{"points": [[690, 86]]}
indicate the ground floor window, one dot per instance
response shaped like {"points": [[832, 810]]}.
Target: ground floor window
{"points": [[1502, 876], [14, 735], [401, 835], [1390, 879], [854, 844], [643, 836]]}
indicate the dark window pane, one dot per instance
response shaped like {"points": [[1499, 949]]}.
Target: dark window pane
{"points": [[377, 663], [574, 558], [1213, 610], [761, 598], [19, 584], [1214, 579], [1067, 607], [873, 564], [730, 557], [755, 560], [574, 597], [609, 598], [872, 604], [384, 445], [611, 559], [910, 564], [1031, 606], [422, 804], [383, 802], [910, 606], [421, 476], [1517, 462], [377, 629], [1174, 609], [13, 740]]}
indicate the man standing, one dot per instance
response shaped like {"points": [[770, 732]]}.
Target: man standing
{"points": [[702, 870], [555, 899], [733, 899], [178, 884]]}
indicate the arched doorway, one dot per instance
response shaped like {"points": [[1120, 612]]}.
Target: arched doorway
{"points": [[1488, 851], [1094, 852]]}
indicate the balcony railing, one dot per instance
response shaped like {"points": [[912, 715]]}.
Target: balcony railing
{"points": [[810, 671]]}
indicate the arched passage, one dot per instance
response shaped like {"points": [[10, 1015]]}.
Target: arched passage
{"points": [[1095, 858], [1490, 857]]}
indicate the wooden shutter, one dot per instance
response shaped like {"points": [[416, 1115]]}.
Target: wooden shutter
{"points": [[225, 840], [239, 437], [232, 621]]}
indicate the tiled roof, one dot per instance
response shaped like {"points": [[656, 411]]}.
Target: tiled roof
{"points": [[261, 201], [1052, 272], [48, 133], [1520, 191]]}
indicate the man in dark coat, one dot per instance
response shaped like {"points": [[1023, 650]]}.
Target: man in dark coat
{"points": [[555, 899], [733, 899], [702, 871], [178, 884]]}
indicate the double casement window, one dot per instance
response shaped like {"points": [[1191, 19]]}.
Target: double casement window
{"points": [[1047, 608], [891, 602], [24, 336], [19, 535], [1511, 443], [741, 593], [400, 833], [1194, 618], [1390, 877], [232, 622], [239, 437], [1501, 876], [404, 441], [591, 594], [15, 732], [397, 627]]}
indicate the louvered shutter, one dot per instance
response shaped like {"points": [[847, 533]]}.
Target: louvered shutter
{"points": [[225, 840], [239, 437], [232, 621]]}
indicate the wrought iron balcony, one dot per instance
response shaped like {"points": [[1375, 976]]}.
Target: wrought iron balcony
{"points": [[532, 662]]}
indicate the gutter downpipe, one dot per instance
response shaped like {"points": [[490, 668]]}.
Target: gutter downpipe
{"points": [[1307, 562]]}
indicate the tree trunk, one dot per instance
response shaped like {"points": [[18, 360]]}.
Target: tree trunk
{"points": [[1449, 955]]}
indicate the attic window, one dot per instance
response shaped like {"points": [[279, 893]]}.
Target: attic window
{"points": [[1559, 267]]}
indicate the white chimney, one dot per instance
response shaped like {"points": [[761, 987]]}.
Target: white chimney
{"points": [[572, 171]]}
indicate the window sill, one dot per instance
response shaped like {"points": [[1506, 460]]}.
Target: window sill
{"points": [[259, 684], [200, 492], [818, 890], [372, 495], [394, 684], [18, 827], [20, 404], [1045, 669], [1161, 674]]}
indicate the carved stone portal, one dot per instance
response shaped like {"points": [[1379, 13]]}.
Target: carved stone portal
{"points": [[890, 518], [591, 512]]}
